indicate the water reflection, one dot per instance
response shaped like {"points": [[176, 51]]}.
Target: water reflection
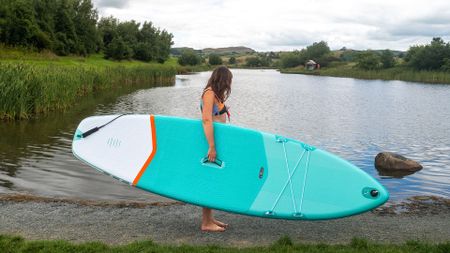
{"points": [[394, 173], [36, 157], [355, 119]]}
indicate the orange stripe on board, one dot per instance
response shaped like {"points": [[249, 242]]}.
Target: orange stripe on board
{"points": [[149, 159]]}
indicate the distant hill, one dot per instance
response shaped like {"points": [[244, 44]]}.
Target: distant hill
{"points": [[244, 50], [179, 50], [222, 50], [228, 50]]}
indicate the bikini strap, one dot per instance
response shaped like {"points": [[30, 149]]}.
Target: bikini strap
{"points": [[204, 91], [209, 88]]}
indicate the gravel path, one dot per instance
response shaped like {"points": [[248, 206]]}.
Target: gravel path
{"points": [[177, 223]]}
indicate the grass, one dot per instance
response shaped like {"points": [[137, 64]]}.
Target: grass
{"points": [[395, 73], [196, 68], [34, 83], [15, 244], [18, 54]]}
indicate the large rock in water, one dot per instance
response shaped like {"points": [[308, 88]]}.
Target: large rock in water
{"points": [[387, 161]]}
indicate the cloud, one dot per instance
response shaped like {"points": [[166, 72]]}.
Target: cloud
{"points": [[112, 3], [292, 38], [290, 24], [421, 30]]}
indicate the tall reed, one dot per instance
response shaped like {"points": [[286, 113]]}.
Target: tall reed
{"points": [[27, 89], [396, 73]]}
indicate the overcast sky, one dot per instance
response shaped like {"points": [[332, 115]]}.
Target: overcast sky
{"points": [[290, 24]]}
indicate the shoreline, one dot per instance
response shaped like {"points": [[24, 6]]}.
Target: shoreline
{"points": [[411, 205], [392, 74], [120, 222]]}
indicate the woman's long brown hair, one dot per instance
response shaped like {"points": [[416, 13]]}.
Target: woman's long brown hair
{"points": [[220, 83]]}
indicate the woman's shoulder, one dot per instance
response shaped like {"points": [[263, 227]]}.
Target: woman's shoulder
{"points": [[209, 92]]}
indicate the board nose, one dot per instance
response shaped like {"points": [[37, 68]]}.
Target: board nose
{"points": [[377, 193]]}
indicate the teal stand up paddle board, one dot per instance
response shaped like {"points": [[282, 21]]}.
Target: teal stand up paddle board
{"points": [[256, 173]]}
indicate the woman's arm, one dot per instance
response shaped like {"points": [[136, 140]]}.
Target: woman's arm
{"points": [[207, 120]]}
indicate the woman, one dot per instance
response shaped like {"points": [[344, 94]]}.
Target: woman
{"points": [[213, 109]]}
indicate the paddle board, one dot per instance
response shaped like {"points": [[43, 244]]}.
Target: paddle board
{"points": [[256, 173]]}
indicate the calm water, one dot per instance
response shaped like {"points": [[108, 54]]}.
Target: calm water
{"points": [[354, 119]]}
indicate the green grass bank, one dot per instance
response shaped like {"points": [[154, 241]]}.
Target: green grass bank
{"points": [[395, 73], [34, 83], [192, 69], [14, 244]]}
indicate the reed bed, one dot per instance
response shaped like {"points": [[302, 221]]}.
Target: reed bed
{"points": [[27, 88], [397, 73]]}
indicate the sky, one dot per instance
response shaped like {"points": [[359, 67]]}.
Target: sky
{"points": [[285, 25]]}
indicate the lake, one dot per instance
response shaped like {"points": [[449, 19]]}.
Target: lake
{"points": [[355, 119]]}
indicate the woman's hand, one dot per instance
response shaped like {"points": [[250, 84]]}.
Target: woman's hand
{"points": [[212, 154]]}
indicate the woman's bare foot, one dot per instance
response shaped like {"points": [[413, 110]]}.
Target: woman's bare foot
{"points": [[210, 224], [220, 224], [211, 227]]}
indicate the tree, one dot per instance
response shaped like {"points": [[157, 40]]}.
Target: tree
{"points": [[446, 65], [60, 44], [41, 40], [164, 42], [147, 43], [129, 32], [348, 55], [45, 18], [326, 59], [19, 23], [118, 50], [85, 21], [232, 60], [107, 28], [265, 59], [273, 55], [253, 61], [72, 27], [317, 50], [292, 59], [65, 27], [143, 51], [189, 57], [387, 59], [428, 57], [368, 60], [214, 59], [146, 48]]}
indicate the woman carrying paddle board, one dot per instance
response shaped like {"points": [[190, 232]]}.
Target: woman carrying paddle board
{"points": [[216, 91]]}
